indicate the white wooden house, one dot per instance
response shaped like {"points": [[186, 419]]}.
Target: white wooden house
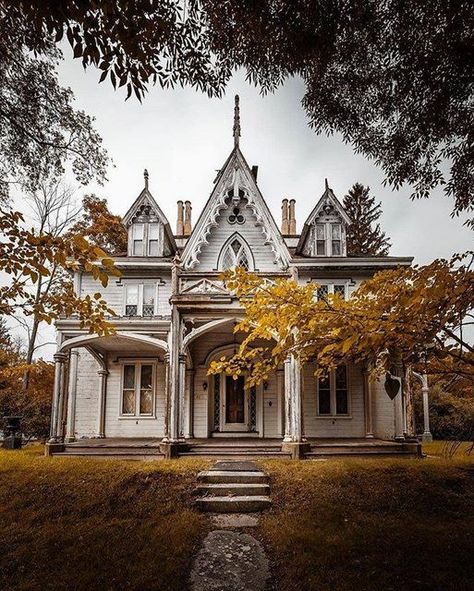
{"points": [[174, 316]]}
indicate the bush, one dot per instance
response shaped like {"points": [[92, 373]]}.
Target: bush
{"points": [[451, 416]]}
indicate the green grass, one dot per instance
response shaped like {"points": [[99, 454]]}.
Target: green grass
{"points": [[81, 524], [372, 524]]}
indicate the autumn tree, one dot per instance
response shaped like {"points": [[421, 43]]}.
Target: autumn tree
{"points": [[394, 79], [364, 236], [100, 226], [409, 316]]}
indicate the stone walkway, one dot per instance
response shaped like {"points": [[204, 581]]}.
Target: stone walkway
{"points": [[230, 559]]}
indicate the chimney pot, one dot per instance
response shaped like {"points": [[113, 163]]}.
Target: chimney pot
{"points": [[284, 216], [292, 218], [179, 222], [187, 218]]}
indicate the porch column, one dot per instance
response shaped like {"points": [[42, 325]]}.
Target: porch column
{"points": [[281, 403], [369, 430], [55, 428], [166, 436], [181, 393], [427, 437], [294, 440], [190, 389], [71, 409], [175, 379], [102, 399]]}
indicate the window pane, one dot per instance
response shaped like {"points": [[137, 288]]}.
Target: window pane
{"points": [[340, 290], [153, 231], [131, 306], [320, 232], [336, 247], [146, 393], [322, 291], [137, 231], [128, 402], [153, 248], [148, 300], [146, 373], [138, 247], [342, 407], [321, 247], [129, 376], [336, 232], [146, 402], [324, 402]]}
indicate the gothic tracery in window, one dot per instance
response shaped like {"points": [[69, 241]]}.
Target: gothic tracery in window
{"points": [[235, 255]]}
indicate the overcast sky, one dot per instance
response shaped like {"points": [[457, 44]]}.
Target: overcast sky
{"points": [[182, 137]]}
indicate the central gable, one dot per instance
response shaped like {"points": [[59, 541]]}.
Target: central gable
{"points": [[236, 221]]}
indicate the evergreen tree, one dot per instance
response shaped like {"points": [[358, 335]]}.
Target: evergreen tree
{"points": [[364, 236]]}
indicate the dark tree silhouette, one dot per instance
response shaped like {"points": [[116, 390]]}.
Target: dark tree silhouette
{"points": [[364, 236]]}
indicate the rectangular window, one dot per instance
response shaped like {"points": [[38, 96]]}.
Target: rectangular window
{"points": [[148, 300], [320, 239], [153, 238], [128, 397], [333, 393], [324, 396], [137, 235], [137, 391], [340, 383], [131, 303], [336, 239], [340, 290]]}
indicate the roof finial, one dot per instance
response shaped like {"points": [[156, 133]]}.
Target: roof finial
{"points": [[145, 174], [236, 121], [326, 183]]}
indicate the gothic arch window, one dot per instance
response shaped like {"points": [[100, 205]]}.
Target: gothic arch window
{"points": [[235, 253]]}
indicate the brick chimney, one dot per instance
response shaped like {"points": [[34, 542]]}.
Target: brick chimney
{"points": [[284, 216], [179, 222], [291, 218], [187, 218]]}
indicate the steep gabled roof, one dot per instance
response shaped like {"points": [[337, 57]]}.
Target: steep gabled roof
{"points": [[328, 199], [235, 171], [146, 199]]}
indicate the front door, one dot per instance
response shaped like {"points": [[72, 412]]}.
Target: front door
{"points": [[235, 407]]}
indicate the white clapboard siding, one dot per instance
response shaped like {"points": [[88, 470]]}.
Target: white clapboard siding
{"points": [[252, 234], [334, 426]]}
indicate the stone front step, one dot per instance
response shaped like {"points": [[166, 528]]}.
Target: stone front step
{"points": [[237, 504], [233, 489], [230, 476]]}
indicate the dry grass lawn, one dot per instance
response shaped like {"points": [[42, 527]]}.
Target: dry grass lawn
{"points": [[372, 524], [339, 525], [96, 524]]}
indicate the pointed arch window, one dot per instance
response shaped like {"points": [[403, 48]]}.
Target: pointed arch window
{"points": [[235, 254]]}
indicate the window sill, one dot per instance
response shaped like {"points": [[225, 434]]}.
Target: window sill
{"points": [[334, 417], [137, 418]]}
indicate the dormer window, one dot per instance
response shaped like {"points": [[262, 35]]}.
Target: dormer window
{"points": [[153, 240], [137, 237], [327, 240]]}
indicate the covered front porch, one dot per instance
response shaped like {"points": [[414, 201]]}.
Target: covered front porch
{"points": [[237, 448]]}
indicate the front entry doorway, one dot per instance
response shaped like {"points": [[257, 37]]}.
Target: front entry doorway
{"points": [[235, 402]]}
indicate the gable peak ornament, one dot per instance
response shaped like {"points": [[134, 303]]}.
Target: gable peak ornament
{"points": [[236, 121]]}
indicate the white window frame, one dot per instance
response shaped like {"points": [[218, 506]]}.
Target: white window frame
{"points": [[328, 227], [330, 286], [140, 286], [332, 388], [138, 365], [243, 246]]}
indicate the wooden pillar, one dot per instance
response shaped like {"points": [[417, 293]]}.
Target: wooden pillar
{"points": [[181, 393], [103, 373], [287, 372], [368, 402], [71, 408], [55, 427], [166, 435], [281, 402], [190, 390], [294, 440]]}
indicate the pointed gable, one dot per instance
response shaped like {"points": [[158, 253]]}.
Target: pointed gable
{"points": [[324, 232], [149, 232], [236, 207]]}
